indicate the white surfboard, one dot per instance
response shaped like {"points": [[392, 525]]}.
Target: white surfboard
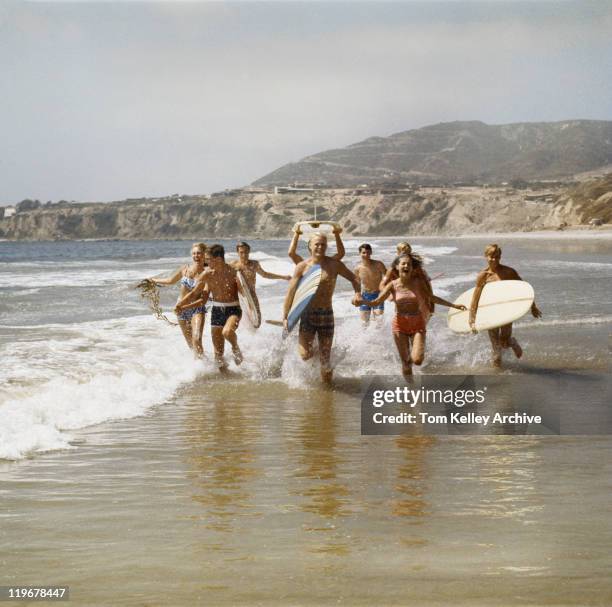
{"points": [[501, 302], [248, 301], [308, 228], [307, 288]]}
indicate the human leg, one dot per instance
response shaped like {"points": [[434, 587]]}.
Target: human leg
{"points": [[197, 330], [229, 334], [185, 326], [417, 353], [507, 341], [402, 343], [495, 347]]}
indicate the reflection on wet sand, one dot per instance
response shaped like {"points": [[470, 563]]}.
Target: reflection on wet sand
{"points": [[314, 443], [222, 460], [412, 478]]}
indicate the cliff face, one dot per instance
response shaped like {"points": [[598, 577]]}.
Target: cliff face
{"points": [[416, 211]]}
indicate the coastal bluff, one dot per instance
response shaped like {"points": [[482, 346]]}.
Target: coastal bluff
{"points": [[373, 210]]}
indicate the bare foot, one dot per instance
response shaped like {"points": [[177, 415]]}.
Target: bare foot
{"points": [[220, 362], [497, 362], [238, 358], [326, 376], [516, 348]]}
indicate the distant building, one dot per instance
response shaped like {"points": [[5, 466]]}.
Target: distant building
{"points": [[9, 211]]}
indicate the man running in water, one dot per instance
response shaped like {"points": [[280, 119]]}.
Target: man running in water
{"points": [[370, 273], [318, 319], [221, 282], [250, 267], [502, 336]]}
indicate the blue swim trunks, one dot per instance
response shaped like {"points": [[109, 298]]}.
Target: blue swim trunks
{"points": [[189, 313], [371, 296]]}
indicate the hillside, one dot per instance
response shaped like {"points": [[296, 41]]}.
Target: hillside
{"points": [[376, 211], [459, 152]]}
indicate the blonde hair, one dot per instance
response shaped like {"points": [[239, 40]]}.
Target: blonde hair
{"points": [[199, 245], [403, 247], [492, 249]]}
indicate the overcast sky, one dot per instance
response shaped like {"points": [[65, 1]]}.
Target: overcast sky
{"points": [[108, 100]]}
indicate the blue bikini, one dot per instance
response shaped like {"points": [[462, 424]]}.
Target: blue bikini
{"points": [[189, 283]]}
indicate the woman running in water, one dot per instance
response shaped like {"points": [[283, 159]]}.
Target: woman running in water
{"points": [[413, 303], [191, 320]]}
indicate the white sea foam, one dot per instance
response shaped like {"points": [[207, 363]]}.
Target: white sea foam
{"points": [[95, 372]]}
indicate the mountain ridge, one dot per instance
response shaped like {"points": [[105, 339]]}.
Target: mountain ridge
{"points": [[470, 151]]}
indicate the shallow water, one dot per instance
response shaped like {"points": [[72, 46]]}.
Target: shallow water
{"points": [[171, 485]]}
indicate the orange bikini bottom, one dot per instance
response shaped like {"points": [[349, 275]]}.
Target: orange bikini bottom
{"points": [[408, 324]]}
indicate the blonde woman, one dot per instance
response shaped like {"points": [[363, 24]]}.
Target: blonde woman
{"points": [[191, 319]]}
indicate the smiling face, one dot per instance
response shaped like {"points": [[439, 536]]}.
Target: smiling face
{"points": [[197, 254], [405, 266], [318, 246]]}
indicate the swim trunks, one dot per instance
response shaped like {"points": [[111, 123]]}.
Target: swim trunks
{"points": [[221, 312], [408, 324], [190, 312], [318, 321], [371, 296]]}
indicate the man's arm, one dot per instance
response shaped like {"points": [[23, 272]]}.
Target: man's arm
{"points": [[481, 281], [265, 274], [384, 294], [339, 244], [293, 285], [346, 273], [535, 311], [198, 295], [292, 252]]}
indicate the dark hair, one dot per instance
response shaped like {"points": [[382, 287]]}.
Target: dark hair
{"points": [[243, 244], [415, 260], [217, 250], [365, 246]]}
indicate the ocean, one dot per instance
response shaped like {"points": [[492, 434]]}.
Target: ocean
{"points": [[139, 476]]}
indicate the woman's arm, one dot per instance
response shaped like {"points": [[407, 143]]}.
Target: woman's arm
{"points": [[448, 304], [386, 280], [163, 282], [481, 281]]}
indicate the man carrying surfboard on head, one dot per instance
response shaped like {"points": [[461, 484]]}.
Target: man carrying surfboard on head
{"points": [[318, 318], [501, 337], [369, 272], [221, 282], [297, 232]]}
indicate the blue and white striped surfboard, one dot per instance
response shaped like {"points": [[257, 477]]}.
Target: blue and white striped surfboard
{"points": [[307, 288]]}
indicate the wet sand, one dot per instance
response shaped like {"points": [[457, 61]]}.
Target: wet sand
{"points": [[254, 494]]}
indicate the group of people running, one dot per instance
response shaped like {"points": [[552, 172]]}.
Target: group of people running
{"points": [[406, 282]]}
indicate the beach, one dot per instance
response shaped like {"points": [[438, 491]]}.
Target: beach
{"points": [[138, 476]]}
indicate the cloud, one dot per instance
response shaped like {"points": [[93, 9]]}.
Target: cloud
{"points": [[113, 100]]}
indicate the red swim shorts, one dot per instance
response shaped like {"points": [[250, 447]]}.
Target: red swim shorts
{"points": [[408, 324]]}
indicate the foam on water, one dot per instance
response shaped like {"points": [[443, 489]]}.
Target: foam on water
{"points": [[92, 373]]}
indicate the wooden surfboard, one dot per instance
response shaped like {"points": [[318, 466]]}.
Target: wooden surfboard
{"points": [[248, 301]]}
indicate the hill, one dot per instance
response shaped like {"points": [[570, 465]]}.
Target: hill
{"points": [[471, 152]]}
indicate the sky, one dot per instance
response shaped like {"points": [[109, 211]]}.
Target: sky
{"points": [[110, 100]]}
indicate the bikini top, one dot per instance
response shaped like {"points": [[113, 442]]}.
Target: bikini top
{"points": [[403, 295], [187, 282]]}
